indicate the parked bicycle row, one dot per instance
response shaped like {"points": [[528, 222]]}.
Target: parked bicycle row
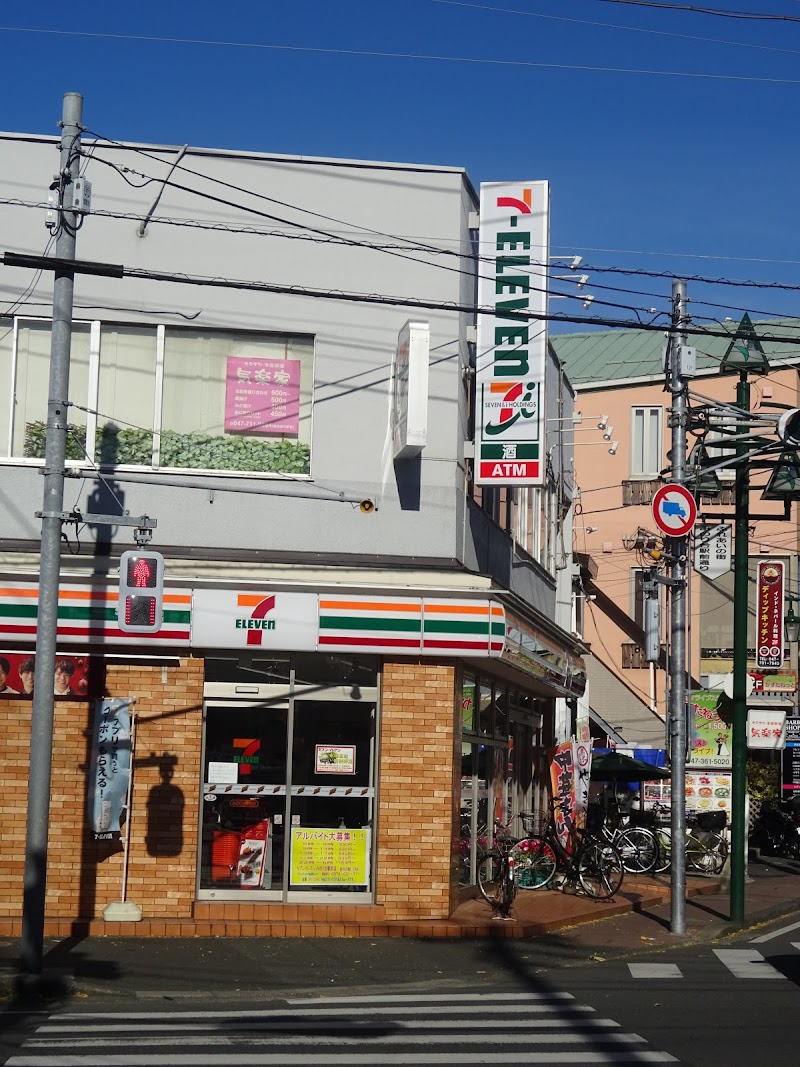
{"points": [[592, 859]]}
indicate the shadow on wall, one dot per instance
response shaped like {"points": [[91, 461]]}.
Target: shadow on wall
{"points": [[408, 476], [165, 805]]}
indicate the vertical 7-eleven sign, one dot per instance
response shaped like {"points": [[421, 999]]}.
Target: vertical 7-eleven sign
{"points": [[512, 333]]}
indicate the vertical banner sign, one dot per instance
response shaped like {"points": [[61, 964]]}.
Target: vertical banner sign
{"points": [[582, 761], [110, 767], [512, 340], [769, 614], [790, 760], [562, 778]]}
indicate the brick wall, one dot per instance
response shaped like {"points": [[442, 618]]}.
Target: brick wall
{"points": [[415, 790], [84, 875]]}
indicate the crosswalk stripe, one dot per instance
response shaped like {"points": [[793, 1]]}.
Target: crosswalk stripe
{"points": [[613, 1056], [548, 1029], [428, 998], [747, 963], [655, 970]]}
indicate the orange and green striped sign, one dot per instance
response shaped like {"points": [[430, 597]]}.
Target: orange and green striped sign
{"points": [[88, 613], [411, 625]]}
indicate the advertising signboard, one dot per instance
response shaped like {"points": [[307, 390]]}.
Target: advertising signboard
{"points": [[329, 857], [769, 613], [712, 736], [262, 396], [511, 340], [410, 390], [110, 767], [790, 759], [766, 728]]}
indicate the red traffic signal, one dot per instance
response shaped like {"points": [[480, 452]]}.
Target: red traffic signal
{"points": [[141, 592]]}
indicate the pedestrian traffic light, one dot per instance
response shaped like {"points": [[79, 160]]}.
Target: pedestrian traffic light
{"points": [[140, 608]]}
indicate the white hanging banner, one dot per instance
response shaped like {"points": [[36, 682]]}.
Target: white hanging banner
{"points": [[712, 550]]}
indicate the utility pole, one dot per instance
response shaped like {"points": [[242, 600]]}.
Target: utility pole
{"points": [[41, 748], [676, 720], [741, 594]]}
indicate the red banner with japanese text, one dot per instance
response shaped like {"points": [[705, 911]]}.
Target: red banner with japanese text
{"points": [[562, 778], [769, 614]]}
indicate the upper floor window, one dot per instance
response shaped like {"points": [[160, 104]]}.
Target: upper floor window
{"points": [[164, 397], [646, 459]]}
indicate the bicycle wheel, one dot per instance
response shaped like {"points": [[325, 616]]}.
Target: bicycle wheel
{"points": [[664, 858], [638, 848], [534, 863], [706, 855], [491, 880], [600, 870]]}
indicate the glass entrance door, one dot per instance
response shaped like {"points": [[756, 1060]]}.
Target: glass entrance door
{"points": [[244, 799]]}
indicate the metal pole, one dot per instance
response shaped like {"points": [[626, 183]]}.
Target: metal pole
{"points": [[41, 748], [740, 600], [677, 663]]}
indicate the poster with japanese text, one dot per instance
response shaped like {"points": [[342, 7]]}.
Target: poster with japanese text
{"points": [[562, 779], [711, 745], [262, 396], [110, 767], [329, 857]]}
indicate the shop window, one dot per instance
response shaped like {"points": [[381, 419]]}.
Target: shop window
{"points": [[165, 397], [288, 783]]}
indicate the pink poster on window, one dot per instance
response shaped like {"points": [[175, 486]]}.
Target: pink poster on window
{"points": [[262, 395]]}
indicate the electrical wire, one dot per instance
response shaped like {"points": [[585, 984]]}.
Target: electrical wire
{"points": [[418, 56], [618, 26], [704, 10]]}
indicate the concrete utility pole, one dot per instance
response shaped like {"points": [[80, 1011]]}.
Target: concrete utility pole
{"points": [[679, 389], [41, 750]]}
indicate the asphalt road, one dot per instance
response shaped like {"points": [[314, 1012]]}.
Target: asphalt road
{"points": [[520, 1003]]}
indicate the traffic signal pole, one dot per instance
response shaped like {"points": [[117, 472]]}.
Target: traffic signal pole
{"points": [[676, 719], [42, 711]]}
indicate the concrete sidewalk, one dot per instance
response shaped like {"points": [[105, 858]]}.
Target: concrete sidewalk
{"points": [[549, 929]]}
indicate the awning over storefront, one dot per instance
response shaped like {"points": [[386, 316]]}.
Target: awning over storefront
{"points": [[543, 657]]}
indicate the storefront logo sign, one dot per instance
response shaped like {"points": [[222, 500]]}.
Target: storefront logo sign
{"points": [[257, 622]]}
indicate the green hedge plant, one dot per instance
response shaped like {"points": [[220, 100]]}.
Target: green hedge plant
{"points": [[125, 445]]}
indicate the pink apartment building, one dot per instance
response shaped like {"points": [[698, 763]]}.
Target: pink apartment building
{"points": [[619, 382]]}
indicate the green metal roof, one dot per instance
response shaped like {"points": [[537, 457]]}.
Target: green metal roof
{"points": [[619, 355]]}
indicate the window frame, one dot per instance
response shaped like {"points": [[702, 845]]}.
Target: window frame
{"points": [[91, 399], [646, 443]]}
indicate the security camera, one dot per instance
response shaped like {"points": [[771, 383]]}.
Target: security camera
{"points": [[613, 450], [608, 433]]}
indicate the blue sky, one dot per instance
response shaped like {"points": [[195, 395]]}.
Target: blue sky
{"points": [[639, 164]]}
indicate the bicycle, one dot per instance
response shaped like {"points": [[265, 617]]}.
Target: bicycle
{"points": [[706, 848], [593, 861], [495, 872], [638, 845]]}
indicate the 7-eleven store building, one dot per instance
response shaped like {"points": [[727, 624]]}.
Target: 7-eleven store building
{"points": [[305, 760]]}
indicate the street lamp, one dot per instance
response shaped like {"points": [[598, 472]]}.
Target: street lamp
{"points": [[791, 627], [744, 356]]}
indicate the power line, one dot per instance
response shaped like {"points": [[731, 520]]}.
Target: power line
{"points": [[472, 61], [705, 11], [618, 26]]}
